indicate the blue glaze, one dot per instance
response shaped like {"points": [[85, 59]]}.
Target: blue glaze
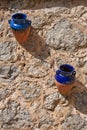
{"points": [[65, 74], [19, 21]]}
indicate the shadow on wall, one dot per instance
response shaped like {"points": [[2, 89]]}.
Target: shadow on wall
{"points": [[36, 45], [40, 4], [78, 98]]}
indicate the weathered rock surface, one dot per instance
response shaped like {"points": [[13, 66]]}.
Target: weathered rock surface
{"points": [[64, 35], [81, 102], [30, 91], [4, 92], [73, 122], [7, 72], [39, 70], [14, 116], [52, 100], [7, 51], [29, 98]]}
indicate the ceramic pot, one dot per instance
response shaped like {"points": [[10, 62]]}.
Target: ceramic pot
{"points": [[21, 35], [65, 78], [20, 27]]}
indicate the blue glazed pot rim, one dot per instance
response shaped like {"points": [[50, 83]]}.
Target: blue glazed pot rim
{"points": [[19, 26], [19, 16], [65, 74], [69, 68], [65, 82]]}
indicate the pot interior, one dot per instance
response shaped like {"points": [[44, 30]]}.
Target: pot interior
{"points": [[19, 16], [66, 68]]}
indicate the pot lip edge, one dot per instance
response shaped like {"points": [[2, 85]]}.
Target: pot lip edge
{"points": [[25, 16], [73, 69]]}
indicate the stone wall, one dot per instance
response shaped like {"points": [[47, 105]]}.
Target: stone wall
{"points": [[28, 95]]}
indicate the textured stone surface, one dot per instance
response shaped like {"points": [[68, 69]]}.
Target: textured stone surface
{"points": [[38, 70], [7, 72], [52, 100], [4, 93], [14, 116], [64, 35], [73, 122], [7, 51], [81, 102], [30, 91], [50, 82], [29, 98], [45, 119]]}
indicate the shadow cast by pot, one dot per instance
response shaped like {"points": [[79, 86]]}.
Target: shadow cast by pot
{"points": [[78, 98], [36, 45]]}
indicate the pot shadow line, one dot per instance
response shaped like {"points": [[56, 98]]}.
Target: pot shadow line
{"points": [[36, 45], [78, 98]]}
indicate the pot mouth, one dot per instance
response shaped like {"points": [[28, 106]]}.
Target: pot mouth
{"points": [[66, 68], [19, 16]]}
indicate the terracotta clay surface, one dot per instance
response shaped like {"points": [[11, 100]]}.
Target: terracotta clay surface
{"points": [[65, 89], [22, 35]]}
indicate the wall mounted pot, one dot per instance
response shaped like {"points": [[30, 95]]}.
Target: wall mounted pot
{"points": [[65, 78], [20, 27]]}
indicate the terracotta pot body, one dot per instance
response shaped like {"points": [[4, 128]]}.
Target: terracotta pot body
{"points": [[65, 78], [21, 35], [65, 89], [20, 27]]}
